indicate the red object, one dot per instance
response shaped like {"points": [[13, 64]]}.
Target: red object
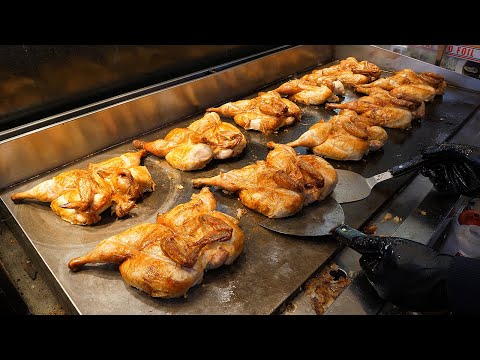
{"points": [[469, 217]]}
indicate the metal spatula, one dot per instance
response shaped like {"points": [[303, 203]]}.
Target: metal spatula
{"points": [[313, 220], [353, 187], [323, 218]]}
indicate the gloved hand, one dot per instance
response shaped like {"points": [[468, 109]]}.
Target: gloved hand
{"points": [[410, 275], [454, 168]]}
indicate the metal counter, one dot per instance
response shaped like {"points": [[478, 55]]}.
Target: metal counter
{"points": [[272, 266]]}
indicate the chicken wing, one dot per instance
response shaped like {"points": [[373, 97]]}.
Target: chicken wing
{"points": [[79, 196], [192, 148], [169, 257], [346, 136], [126, 185], [266, 113], [279, 186]]}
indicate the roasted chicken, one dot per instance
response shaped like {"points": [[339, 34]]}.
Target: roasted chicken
{"points": [[193, 147], [329, 81], [167, 258], [395, 100], [407, 84], [308, 93], [384, 116], [346, 136], [381, 97], [80, 196], [279, 186], [266, 113], [350, 72]]}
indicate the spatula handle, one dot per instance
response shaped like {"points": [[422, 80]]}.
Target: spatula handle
{"points": [[408, 166], [346, 232]]}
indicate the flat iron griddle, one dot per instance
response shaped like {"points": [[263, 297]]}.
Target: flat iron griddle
{"points": [[272, 266]]}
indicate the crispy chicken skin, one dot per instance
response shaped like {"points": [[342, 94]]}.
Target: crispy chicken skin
{"points": [[407, 84], [167, 258], [329, 81], [384, 116], [192, 148], [279, 186], [381, 97], [308, 93], [350, 72], [266, 113], [346, 136], [225, 139], [79, 196]]}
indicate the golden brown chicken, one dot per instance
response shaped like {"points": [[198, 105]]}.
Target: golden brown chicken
{"points": [[381, 97], [225, 139], [327, 80], [350, 72], [281, 185], [384, 116], [266, 113], [407, 84], [359, 67], [346, 136], [79, 196], [305, 92], [192, 148], [167, 258]]}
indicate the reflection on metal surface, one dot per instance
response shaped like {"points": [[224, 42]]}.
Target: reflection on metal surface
{"points": [[47, 78], [75, 138]]}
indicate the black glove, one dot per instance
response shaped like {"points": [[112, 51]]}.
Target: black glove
{"points": [[454, 168], [410, 275]]}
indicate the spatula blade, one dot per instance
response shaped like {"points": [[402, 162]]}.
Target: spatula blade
{"points": [[350, 187], [316, 219]]}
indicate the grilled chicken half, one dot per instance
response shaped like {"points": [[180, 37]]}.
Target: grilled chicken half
{"points": [[279, 186], [266, 113], [167, 258], [350, 72], [384, 116], [347, 136], [193, 147], [79, 196], [408, 85], [308, 92]]}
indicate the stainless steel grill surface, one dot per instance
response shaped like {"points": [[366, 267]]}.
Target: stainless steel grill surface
{"points": [[272, 266]]}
